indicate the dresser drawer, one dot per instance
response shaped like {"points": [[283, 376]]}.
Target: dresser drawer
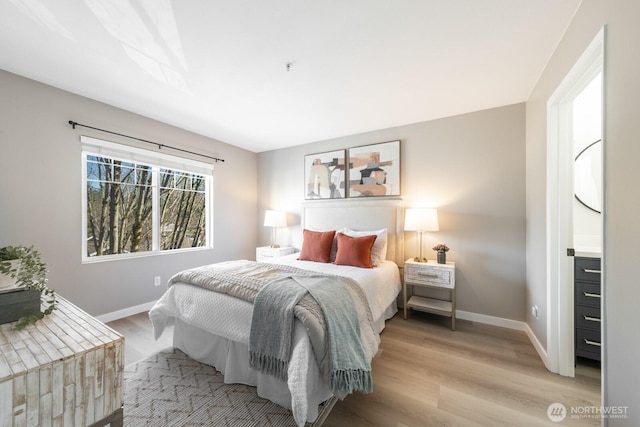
{"points": [[588, 294], [428, 275], [588, 340], [588, 318], [587, 269]]}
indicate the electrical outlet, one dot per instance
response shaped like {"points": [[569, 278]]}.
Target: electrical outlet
{"points": [[534, 311], [156, 281]]}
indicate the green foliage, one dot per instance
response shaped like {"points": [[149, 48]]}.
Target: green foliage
{"points": [[32, 274]]}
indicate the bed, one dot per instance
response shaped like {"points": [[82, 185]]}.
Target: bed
{"points": [[214, 327]]}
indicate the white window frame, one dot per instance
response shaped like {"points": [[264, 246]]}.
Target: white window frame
{"points": [[98, 147]]}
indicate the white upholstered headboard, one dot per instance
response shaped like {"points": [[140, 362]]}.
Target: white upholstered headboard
{"points": [[359, 214]]}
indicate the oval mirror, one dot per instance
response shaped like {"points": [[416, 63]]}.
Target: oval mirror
{"points": [[588, 176]]}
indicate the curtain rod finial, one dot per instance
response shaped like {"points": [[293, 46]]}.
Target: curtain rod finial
{"points": [[73, 124]]}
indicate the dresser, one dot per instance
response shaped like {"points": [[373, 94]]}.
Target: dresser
{"points": [[588, 313], [64, 370], [430, 275]]}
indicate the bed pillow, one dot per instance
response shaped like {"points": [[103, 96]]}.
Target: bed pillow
{"points": [[355, 251], [379, 251], [334, 246], [316, 245]]}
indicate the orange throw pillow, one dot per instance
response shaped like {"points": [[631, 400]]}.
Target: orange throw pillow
{"points": [[355, 251], [316, 245]]}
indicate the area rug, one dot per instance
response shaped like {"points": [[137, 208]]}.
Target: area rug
{"points": [[171, 389]]}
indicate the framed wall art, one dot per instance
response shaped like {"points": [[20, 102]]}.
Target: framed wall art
{"points": [[325, 175], [374, 170]]}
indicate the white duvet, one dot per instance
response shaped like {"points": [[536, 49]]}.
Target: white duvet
{"points": [[229, 319]]}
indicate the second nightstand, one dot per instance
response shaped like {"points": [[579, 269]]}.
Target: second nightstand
{"points": [[264, 253], [430, 275]]}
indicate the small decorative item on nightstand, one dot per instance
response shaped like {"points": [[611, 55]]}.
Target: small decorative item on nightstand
{"points": [[265, 253], [442, 250], [430, 275]]}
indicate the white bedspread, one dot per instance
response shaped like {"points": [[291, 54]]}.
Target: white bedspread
{"points": [[230, 318], [381, 285]]}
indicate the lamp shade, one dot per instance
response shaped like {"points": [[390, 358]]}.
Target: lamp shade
{"points": [[275, 219], [421, 219]]}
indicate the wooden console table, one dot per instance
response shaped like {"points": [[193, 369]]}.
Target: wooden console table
{"points": [[66, 369]]}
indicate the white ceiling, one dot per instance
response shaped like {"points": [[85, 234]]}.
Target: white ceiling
{"points": [[217, 67]]}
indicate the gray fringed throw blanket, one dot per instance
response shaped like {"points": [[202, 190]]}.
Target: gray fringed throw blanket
{"points": [[333, 309]]}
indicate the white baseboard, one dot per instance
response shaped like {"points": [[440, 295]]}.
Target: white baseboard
{"points": [[464, 315], [538, 346], [491, 320], [125, 312], [509, 324]]}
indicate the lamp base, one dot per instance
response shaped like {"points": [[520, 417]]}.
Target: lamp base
{"points": [[420, 259]]}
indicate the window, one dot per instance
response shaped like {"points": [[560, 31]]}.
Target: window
{"points": [[138, 202], [182, 209]]}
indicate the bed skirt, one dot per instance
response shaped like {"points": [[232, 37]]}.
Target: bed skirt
{"points": [[231, 358]]}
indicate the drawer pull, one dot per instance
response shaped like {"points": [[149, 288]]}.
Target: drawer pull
{"points": [[591, 319], [591, 295], [589, 342], [433, 276], [588, 270]]}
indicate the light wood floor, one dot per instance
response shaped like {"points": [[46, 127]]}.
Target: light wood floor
{"points": [[139, 342], [428, 375]]}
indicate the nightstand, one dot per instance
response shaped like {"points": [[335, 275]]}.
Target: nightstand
{"points": [[265, 253], [435, 276]]}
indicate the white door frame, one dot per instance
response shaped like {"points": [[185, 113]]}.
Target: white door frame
{"points": [[560, 324]]}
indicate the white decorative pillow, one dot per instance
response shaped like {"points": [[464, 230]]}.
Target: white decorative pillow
{"points": [[379, 250]]}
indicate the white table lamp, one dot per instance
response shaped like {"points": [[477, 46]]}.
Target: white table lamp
{"points": [[275, 219], [421, 220]]}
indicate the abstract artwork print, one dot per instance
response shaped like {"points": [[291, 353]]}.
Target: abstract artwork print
{"points": [[374, 170], [325, 175]]}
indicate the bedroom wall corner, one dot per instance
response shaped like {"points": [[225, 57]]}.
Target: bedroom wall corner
{"points": [[40, 189], [471, 167]]}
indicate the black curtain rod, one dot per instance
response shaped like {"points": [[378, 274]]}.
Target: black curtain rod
{"points": [[74, 124]]}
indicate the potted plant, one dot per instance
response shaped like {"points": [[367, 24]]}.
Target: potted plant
{"points": [[11, 264], [442, 250], [25, 266]]}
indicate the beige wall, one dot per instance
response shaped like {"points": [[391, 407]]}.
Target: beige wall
{"points": [[566, 55], [621, 370], [40, 192], [471, 167]]}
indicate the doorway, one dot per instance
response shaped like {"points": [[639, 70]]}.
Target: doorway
{"points": [[563, 127]]}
